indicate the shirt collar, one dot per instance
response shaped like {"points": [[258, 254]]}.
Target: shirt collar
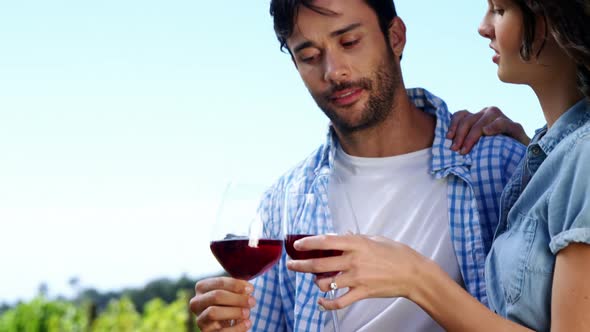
{"points": [[568, 122], [443, 158]]}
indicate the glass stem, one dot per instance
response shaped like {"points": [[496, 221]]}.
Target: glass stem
{"points": [[332, 295]]}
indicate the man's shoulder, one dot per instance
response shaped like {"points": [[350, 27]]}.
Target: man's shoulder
{"points": [[496, 158], [499, 147]]}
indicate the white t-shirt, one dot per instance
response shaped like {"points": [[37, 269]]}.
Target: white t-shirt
{"points": [[395, 197]]}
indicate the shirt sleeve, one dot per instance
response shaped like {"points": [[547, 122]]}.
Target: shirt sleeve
{"points": [[512, 154], [569, 202]]}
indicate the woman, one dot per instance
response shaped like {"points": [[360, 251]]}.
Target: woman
{"points": [[538, 266]]}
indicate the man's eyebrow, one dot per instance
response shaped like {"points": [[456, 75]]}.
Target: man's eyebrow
{"points": [[302, 46], [345, 30], [336, 33]]}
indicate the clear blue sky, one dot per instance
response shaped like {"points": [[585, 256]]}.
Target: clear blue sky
{"points": [[120, 122]]}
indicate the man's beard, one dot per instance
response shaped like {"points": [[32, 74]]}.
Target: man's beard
{"points": [[380, 104]]}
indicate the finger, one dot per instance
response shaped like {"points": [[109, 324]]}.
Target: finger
{"points": [[226, 283], [455, 120], [318, 265], [463, 129], [474, 134], [517, 132], [492, 115], [350, 297], [327, 242], [497, 127], [489, 115], [241, 326], [226, 326], [200, 303], [342, 280], [216, 318]]}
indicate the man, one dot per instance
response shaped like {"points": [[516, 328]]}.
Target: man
{"points": [[387, 154]]}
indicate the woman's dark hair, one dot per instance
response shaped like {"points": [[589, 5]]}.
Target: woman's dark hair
{"points": [[284, 13], [569, 22]]}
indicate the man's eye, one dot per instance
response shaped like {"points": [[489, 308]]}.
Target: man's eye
{"points": [[350, 43], [308, 58]]}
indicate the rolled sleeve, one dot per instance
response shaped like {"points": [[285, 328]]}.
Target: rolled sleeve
{"points": [[562, 240], [569, 206]]}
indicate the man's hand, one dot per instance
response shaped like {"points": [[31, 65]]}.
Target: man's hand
{"points": [[467, 128], [221, 301]]}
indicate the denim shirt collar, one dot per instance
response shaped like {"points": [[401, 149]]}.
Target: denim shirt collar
{"points": [[567, 123], [545, 140], [443, 158]]}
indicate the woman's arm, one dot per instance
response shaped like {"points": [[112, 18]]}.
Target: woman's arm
{"points": [[377, 267], [452, 307], [570, 304]]}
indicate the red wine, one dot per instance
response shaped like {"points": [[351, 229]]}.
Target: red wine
{"points": [[295, 254], [242, 261]]}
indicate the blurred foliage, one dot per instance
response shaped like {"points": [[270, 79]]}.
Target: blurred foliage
{"points": [[43, 315], [162, 305], [4, 307], [164, 289]]}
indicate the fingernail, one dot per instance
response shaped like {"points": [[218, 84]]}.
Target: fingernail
{"points": [[251, 302], [321, 307], [454, 146], [464, 151], [245, 313], [248, 323], [249, 289]]}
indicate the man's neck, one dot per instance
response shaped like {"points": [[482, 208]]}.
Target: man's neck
{"points": [[407, 129]]}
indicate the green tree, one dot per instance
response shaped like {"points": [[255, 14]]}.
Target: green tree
{"points": [[120, 316], [40, 315], [158, 316]]}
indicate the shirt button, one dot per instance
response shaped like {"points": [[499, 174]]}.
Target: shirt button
{"points": [[536, 150]]}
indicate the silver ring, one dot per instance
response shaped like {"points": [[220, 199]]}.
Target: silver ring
{"points": [[333, 284]]}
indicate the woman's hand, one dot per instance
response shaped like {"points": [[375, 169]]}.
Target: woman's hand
{"points": [[371, 267], [467, 128]]}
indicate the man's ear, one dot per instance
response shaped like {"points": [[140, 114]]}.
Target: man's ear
{"points": [[397, 36]]}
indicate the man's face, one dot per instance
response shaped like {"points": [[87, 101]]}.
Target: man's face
{"points": [[346, 63]]}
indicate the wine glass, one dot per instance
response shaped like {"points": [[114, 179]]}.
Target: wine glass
{"points": [[239, 240], [298, 223]]}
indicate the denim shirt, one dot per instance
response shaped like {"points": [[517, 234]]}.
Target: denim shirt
{"points": [[544, 208]]}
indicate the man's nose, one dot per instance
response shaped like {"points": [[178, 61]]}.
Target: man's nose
{"points": [[337, 68]]}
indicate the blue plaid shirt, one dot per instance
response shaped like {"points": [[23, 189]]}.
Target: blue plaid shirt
{"points": [[287, 301]]}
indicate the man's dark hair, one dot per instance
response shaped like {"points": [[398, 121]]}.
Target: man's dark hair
{"points": [[284, 13]]}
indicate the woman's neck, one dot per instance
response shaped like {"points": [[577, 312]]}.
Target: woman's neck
{"points": [[556, 98]]}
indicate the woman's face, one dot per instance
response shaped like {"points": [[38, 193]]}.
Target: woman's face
{"points": [[503, 25]]}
